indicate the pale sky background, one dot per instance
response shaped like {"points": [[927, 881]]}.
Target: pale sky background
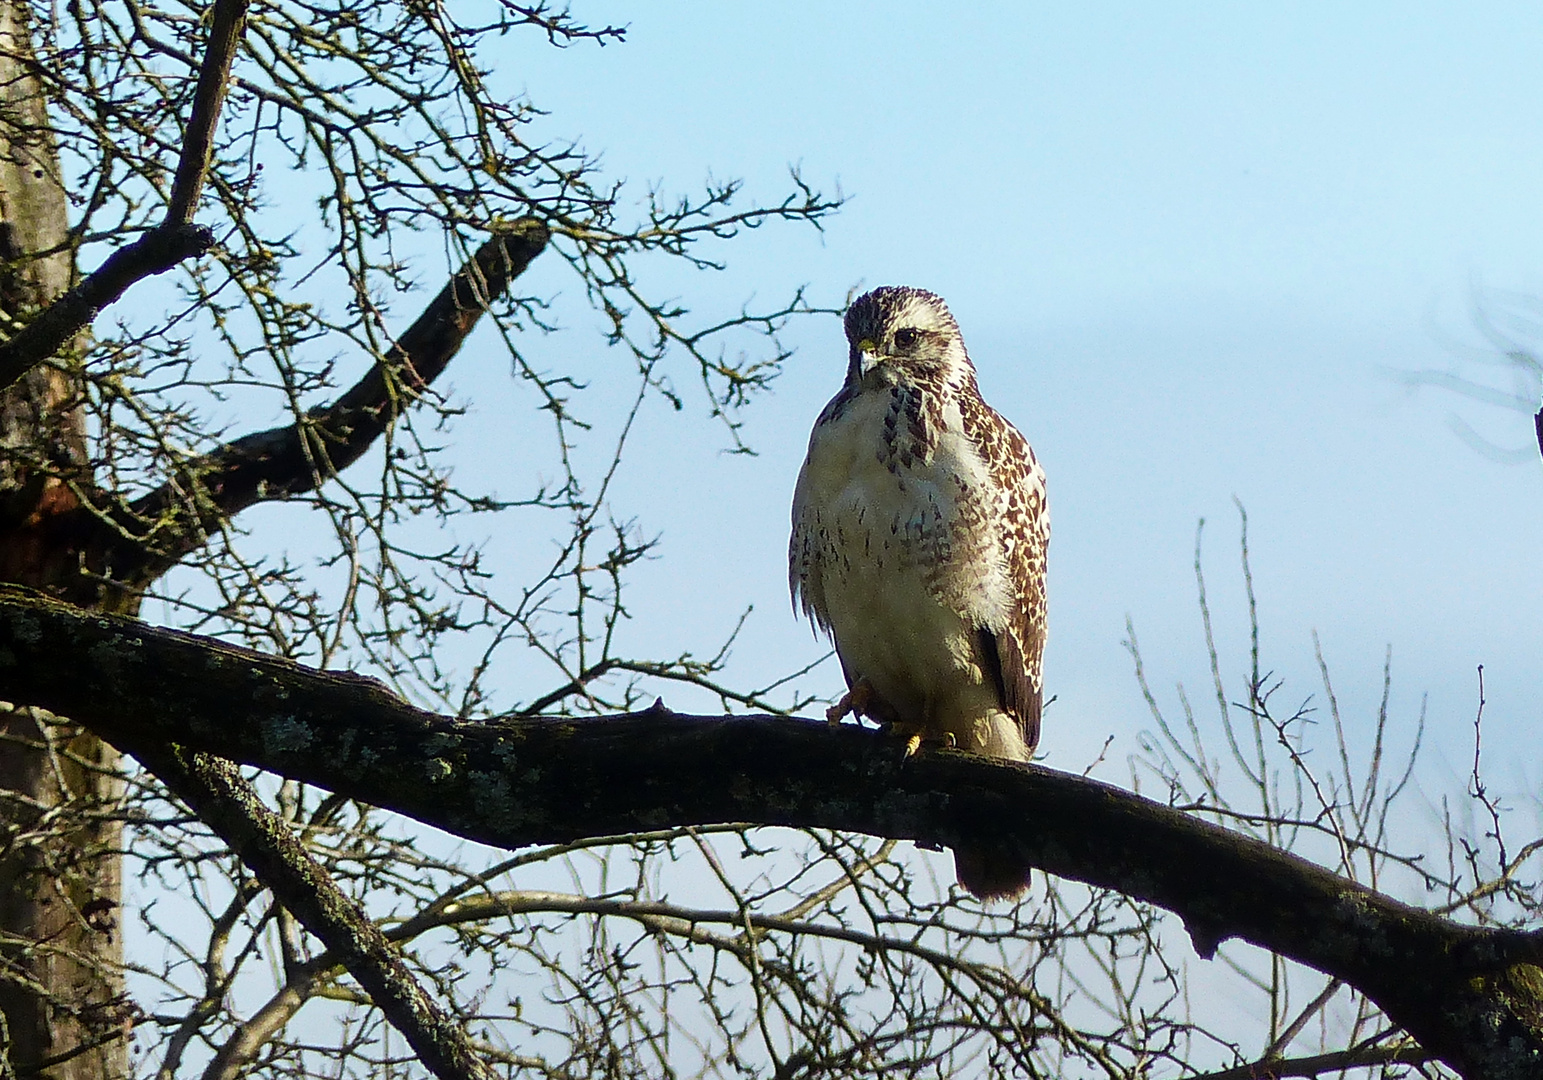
{"points": [[1191, 247]]}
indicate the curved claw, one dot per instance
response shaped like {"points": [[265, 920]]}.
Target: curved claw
{"points": [[915, 737], [854, 701]]}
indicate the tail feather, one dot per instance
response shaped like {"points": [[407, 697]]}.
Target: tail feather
{"points": [[990, 876]]}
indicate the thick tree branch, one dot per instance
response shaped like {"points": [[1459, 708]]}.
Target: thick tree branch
{"points": [[215, 790], [134, 545], [155, 252], [295, 458], [1471, 996], [226, 24], [159, 249]]}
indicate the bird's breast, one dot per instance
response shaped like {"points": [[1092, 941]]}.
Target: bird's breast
{"points": [[880, 511], [880, 489]]}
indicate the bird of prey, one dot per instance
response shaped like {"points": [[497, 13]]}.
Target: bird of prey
{"points": [[919, 537]]}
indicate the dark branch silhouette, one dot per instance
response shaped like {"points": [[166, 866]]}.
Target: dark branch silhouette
{"points": [[1470, 995], [131, 546], [160, 248], [215, 790], [226, 24], [1322, 1064], [299, 457], [155, 252]]}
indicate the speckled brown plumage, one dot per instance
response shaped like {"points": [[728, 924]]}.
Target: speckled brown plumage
{"points": [[920, 529]]}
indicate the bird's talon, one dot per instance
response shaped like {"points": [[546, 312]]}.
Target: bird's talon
{"points": [[853, 701]]}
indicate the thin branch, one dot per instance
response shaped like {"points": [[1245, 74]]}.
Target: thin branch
{"points": [[1402, 1053], [1293, 1029], [226, 24], [72, 1053], [215, 790]]}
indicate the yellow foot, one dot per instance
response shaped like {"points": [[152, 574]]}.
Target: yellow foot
{"points": [[915, 737], [853, 702]]}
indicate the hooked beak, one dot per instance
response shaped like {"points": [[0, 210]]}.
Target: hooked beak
{"points": [[867, 356]]}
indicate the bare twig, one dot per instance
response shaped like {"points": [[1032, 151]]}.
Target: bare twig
{"points": [[215, 790], [159, 249]]}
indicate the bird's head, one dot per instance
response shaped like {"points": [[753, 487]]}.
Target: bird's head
{"points": [[899, 334]]}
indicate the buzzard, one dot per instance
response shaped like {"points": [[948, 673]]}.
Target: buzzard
{"points": [[919, 537]]}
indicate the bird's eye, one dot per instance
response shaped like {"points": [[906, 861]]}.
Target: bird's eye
{"points": [[907, 337]]}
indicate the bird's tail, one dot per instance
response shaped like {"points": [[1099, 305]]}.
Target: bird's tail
{"points": [[991, 876]]}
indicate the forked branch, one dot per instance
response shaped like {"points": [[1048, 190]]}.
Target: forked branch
{"points": [[162, 247], [216, 791], [132, 546]]}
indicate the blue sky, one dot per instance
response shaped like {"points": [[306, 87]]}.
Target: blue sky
{"points": [[1191, 248]]}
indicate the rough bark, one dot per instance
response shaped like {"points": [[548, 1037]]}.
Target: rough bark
{"points": [[61, 993], [60, 988], [42, 440], [66, 891], [63, 1003], [1472, 997]]}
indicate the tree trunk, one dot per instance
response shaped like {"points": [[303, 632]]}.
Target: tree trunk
{"points": [[61, 986]]}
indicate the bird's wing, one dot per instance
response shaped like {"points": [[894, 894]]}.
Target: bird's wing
{"points": [[808, 538], [804, 582], [1015, 521]]}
